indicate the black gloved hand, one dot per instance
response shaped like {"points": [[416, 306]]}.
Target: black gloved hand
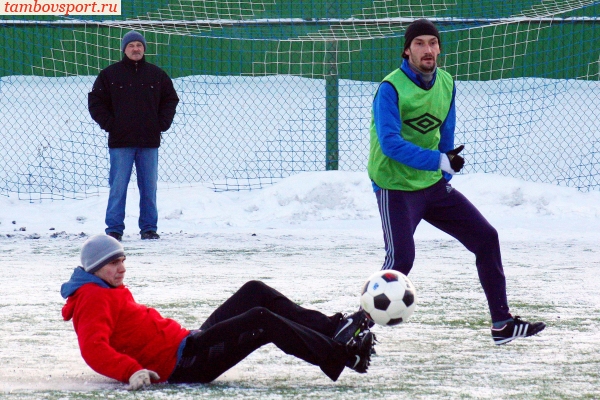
{"points": [[456, 161]]}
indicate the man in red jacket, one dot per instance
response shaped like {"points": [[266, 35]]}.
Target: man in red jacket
{"points": [[134, 344]]}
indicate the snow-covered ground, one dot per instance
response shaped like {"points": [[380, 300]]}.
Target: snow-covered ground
{"points": [[316, 237]]}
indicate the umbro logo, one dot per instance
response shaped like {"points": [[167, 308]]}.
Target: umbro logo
{"points": [[423, 124]]}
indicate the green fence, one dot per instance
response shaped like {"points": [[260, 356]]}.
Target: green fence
{"points": [[271, 88]]}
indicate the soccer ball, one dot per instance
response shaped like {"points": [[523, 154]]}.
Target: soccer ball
{"points": [[389, 297]]}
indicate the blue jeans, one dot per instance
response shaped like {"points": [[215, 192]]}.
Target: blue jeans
{"points": [[121, 165]]}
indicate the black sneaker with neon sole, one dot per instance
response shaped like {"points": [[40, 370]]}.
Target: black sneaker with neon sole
{"points": [[359, 350], [351, 326], [517, 328]]}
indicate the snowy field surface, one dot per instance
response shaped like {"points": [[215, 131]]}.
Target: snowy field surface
{"points": [[316, 237]]}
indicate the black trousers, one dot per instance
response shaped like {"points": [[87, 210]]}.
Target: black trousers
{"points": [[450, 211], [252, 317]]}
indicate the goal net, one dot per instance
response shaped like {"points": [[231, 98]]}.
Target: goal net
{"points": [[272, 88]]}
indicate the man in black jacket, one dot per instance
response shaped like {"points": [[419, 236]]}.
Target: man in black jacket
{"points": [[134, 101]]}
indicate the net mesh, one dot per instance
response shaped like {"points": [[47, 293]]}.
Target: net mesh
{"points": [[272, 88]]}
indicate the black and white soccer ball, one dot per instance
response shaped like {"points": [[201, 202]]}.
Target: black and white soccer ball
{"points": [[389, 297]]}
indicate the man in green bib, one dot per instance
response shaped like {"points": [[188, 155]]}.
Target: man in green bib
{"points": [[412, 158]]}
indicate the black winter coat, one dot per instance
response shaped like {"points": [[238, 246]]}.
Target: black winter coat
{"points": [[134, 102]]}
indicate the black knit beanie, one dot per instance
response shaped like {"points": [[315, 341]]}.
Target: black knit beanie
{"points": [[417, 28]]}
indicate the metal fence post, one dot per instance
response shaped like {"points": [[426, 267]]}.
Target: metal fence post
{"points": [[331, 96]]}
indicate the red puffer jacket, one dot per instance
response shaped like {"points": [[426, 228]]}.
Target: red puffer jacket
{"points": [[118, 336]]}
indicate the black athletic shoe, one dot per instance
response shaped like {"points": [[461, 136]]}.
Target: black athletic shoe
{"points": [[359, 351], [350, 326], [150, 235], [516, 329], [116, 235]]}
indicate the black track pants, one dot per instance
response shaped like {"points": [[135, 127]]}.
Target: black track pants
{"points": [[254, 316], [448, 210]]}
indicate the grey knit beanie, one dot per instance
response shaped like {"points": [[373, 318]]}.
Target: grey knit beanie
{"points": [[417, 28], [132, 36], [98, 251]]}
